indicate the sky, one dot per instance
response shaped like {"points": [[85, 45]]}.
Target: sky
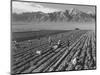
{"points": [[20, 7]]}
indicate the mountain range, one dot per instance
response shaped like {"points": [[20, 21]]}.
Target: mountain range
{"points": [[72, 15]]}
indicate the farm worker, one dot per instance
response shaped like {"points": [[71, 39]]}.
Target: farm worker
{"points": [[74, 61], [38, 52], [68, 43], [15, 42], [50, 40], [59, 41], [57, 45], [53, 47]]}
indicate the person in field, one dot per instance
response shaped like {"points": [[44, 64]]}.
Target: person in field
{"points": [[68, 43], [54, 47], [58, 45], [38, 52], [50, 41]]}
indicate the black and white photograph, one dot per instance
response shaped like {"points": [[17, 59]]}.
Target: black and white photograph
{"points": [[52, 37]]}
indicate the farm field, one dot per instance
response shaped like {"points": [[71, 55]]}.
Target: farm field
{"points": [[80, 54], [28, 35]]}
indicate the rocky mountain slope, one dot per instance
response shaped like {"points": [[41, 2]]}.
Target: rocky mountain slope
{"points": [[73, 15]]}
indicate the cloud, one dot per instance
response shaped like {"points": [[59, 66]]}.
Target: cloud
{"points": [[20, 7]]}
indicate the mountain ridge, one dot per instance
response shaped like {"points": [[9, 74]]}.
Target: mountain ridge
{"points": [[72, 15]]}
